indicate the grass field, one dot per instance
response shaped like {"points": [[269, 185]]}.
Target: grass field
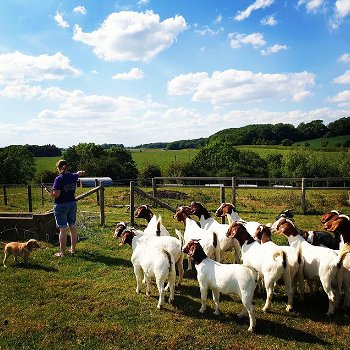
{"points": [[88, 301], [163, 158]]}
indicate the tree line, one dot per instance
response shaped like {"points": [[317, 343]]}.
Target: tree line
{"points": [[218, 156], [264, 134]]}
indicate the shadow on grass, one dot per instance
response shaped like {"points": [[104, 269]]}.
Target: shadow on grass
{"points": [[35, 266], [103, 259], [188, 304]]}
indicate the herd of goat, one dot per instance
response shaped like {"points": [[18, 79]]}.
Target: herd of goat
{"points": [[319, 258]]}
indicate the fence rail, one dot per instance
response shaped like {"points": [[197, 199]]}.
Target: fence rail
{"points": [[235, 183]]}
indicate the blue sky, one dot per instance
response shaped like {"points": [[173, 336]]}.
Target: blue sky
{"points": [[147, 71]]}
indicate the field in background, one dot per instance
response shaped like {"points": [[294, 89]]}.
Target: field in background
{"points": [[164, 158], [331, 142]]}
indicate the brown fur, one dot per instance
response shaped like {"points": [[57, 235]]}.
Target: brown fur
{"points": [[20, 249]]}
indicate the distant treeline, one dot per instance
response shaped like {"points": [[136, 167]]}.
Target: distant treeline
{"points": [[264, 134], [175, 145], [275, 134], [44, 151]]}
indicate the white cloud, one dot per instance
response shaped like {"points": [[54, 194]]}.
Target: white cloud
{"points": [[132, 36], [341, 98], [273, 49], [80, 9], [60, 21], [27, 92], [343, 79], [269, 21], [254, 39], [311, 5], [218, 19], [143, 2], [258, 4], [208, 31], [17, 68], [186, 83], [342, 8], [233, 86], [345, 58], [133, 74]]}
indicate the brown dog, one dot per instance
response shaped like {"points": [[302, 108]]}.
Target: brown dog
{"points": [[20, 249]]}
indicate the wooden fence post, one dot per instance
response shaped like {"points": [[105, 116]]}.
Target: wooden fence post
{"points": [[132, 202], [30, 199], [102, 203], [154, 188], [97, 193], [5, 194], [303, 196], [233, 190], [222, 200]]}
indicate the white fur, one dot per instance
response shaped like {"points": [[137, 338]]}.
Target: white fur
{"points": [[151, 228], [171, 244], [226, 244], [154, 262], [205, 238], [320, 264], [227, 279]]}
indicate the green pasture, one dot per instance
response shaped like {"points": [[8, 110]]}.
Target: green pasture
{"points": [[331, 141], [88, 301], [163, 158]]}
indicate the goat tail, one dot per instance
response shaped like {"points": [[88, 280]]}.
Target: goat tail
{"points": [[283, 255], [299, 253], [216, 245], [159, 223], [169, 259], [180, 236]]}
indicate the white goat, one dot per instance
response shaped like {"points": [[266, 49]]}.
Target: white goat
{"points": [[223, 278], [271, 264], [207, 222], [320, 263], [208, 238], [154, 262], [341, 224], [229, 210], [294, 256], [168, 243]]}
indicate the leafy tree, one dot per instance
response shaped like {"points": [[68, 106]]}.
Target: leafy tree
{"points": [[223, 159], [17, 165], [287, 142], [305, 163], [44, 151], [312, 130], [176, 169], [116, 163], [45, 176], [340, 127], [294, 164], [148, 172], [346, 143], [274, 164], [344, 164]]}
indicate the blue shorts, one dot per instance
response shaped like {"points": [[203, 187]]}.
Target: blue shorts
{"points": [[65, 214]]}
